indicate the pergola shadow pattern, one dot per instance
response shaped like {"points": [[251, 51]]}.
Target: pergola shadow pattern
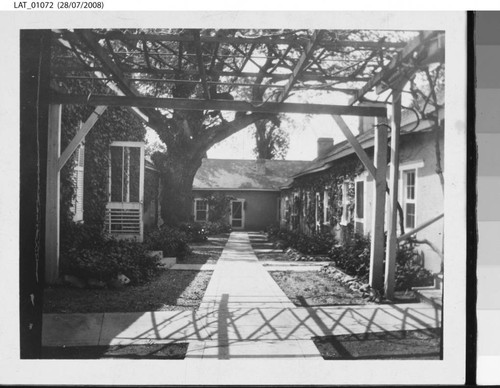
{"points": [[238, 318]]}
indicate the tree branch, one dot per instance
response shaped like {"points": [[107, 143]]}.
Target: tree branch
{"points": [[228, 128]]}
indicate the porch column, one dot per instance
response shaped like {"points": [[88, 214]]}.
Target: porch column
{"points": [[377, 230], [391, 250], [53, 194]]}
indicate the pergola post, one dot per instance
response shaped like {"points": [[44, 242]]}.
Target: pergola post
{"points": [[53, 195], [377, 230], [391, 250]]}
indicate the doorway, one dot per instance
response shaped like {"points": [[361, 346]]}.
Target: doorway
{"points": [[237, 214]]}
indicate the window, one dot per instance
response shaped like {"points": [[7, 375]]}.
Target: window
{"points": [[409, 197], [77, 204], [317, 214], [326, 207], [200, 210], [360, 199], [345, 204]]}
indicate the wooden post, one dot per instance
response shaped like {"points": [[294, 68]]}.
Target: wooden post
{"points": [[377, 231], [391, 250], [53, 194]]}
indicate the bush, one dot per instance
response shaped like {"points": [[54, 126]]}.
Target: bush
{"points": [[353, 258], [218, 227], [409, 271], [314, 244], [109, 260], [169, 240], [194, 231], [83, 236]]}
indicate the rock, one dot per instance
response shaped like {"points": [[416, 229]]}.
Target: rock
{"points": [[74, 281], [119, 282]]}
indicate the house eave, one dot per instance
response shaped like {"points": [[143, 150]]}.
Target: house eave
{"points": [[232, 189]]}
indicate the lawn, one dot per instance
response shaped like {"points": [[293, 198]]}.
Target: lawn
{"points": [[170, 290], [315, 289]]}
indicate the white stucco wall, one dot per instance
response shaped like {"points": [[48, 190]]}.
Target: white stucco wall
{"points": [[418, 151]]}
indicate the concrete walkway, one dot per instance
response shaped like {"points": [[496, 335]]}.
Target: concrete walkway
{"points": [[244, 314]]}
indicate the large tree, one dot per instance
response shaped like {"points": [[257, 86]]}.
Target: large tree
{"points": [[196, 65]]}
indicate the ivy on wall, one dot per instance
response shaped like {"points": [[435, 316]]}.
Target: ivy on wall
{"points": [[115, 124], [303, 202]]}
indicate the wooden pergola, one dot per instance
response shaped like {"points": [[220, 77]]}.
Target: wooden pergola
{"points": [[242, 71]]}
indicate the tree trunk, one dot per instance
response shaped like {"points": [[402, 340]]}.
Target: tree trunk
{"points": [[177, 182]]}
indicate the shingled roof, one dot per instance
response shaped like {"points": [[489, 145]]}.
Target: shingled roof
{"points": [[409, 125], [238, 174]]}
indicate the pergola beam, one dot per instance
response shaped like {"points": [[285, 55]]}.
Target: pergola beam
{"points": [[52, 215], [391, 244], [201, 65], [223, 105], [80, 135], [300, 66], [306, 76], [378, 217], [362, 155], [118, 77], [416, 45], [257, 40]]}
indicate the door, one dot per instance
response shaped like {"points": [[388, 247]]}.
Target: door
{"points": [[238, 214], [126, 190]]}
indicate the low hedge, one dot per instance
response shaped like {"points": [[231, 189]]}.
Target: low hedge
{"points": [[109, 260], [217, 227], [171, 241], [353, 257], [314, 244]]}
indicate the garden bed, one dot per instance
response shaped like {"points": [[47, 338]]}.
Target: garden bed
{"points": [[170, 290], [316, 289], [174, 351], [393, 345]]}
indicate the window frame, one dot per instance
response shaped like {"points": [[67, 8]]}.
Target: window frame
{"points": [[356, 207], [409, 201], [326, 206], [196, 200], [345, 204]]}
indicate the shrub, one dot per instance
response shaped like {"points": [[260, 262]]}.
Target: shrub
{"points": [[354, 259], [217, 227], [272, 230], [169, 240], [109, 260], [409, 271], [83, 236], [194, 231], [314, 244]]}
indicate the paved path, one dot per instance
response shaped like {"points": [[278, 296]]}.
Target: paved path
{"points": [[244, 314]]}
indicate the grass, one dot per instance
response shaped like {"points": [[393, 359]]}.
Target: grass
{"points": [[315, 289], [393, 345], [170, 290]]}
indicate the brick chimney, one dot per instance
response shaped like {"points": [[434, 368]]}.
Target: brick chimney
{"points": [[325, 145], [367, 123]]}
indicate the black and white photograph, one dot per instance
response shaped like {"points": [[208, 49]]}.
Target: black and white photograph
{"points": [[241, 198]]}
